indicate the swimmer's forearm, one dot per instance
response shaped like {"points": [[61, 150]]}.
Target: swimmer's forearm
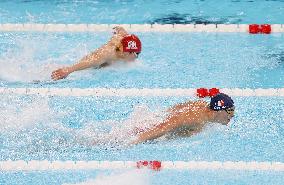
{"points": [[157, 131], [94, 59], [85, 63], [80, 66]]}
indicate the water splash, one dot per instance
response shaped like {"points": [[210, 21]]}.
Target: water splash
{"points": [[32, 128], [18, 116], [33, 57], [122, 132], [25, 63]]}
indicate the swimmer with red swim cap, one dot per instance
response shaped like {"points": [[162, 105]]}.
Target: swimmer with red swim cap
{"points": [[121, 47], [189, 118]]}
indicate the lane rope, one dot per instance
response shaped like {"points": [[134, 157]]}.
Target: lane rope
{"points": [[134, 27], [133, 92], [34, 165]]}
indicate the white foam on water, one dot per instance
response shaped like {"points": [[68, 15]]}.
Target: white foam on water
{"points": [[19, 115], [126, 66], [22, 63], [32, 59], [132, 177], [31, 127], [120, 132], [33, 122]]}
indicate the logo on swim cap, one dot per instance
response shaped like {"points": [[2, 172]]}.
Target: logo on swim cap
{"points": [[221, 102], [131, 43]]}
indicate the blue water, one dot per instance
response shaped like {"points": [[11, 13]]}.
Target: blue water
{"points": [[186, 60], [54, 128], [138, 11], [165, 177]]}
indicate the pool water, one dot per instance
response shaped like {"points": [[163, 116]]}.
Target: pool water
{"points": [[62, 128], [138, 12], [57, 128], [145, 178], [188, 60]]}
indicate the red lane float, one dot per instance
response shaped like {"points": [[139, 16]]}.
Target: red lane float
{"points": [[213, 92], [254, 28], [203, 92], [154, 165], [264, 28], [142, 164]]}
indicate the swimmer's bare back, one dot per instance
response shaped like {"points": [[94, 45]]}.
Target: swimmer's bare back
{"points": [[182, 116]]}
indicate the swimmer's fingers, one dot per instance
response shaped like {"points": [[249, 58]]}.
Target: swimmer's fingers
{"points": [[59, 74], [55, 75]]}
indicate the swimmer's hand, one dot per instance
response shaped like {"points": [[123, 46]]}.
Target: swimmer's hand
{"points": [[119, 30], [60, 73]]}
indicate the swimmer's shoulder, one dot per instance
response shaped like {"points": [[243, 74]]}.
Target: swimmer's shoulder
{"points": [[200, 103], [191, 104], [193, 107]]}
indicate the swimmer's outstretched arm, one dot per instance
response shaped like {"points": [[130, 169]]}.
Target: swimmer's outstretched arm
{"points": [[170, 124], [94, 59]]}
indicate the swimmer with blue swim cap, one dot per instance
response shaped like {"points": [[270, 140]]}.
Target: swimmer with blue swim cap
{"points": [[222, 102], [189, 118], [121, 47]]}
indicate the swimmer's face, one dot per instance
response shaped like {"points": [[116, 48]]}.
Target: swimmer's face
{"points": [[225, 116], [127, 56], [130, 56]]}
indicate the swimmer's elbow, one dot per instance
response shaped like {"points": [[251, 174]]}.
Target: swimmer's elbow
{"points": [[94, 59]]}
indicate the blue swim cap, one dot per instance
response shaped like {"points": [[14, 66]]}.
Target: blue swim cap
{"points": [[221, 102]]}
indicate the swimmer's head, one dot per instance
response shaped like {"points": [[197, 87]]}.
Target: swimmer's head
{"points": [[131, 46], [224, 105]]}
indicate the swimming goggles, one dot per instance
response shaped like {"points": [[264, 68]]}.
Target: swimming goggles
{"points": [[230, 111]]}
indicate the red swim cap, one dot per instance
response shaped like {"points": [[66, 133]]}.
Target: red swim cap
{"points": [[131, 43]]}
